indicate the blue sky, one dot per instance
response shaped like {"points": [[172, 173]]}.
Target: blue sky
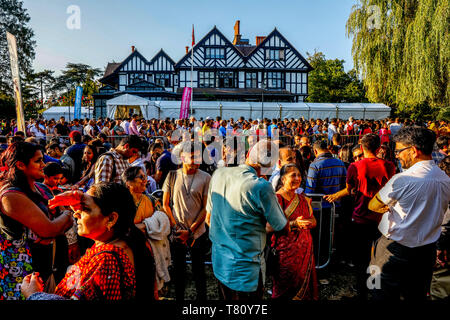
{"points": [[110, 27]]}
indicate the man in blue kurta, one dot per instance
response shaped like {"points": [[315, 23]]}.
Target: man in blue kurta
{"points": [[239, 206]]}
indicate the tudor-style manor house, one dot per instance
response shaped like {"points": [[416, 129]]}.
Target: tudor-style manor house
{"points": [[270, 70]]}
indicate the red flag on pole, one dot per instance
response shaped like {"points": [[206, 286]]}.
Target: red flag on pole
{"points": [[193, 37]]}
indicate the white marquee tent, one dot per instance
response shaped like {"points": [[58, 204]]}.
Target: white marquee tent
{"points": [[57, 112], [258, 110], [127, 100], [253, 110]]}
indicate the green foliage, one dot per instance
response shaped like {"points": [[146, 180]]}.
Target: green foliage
{"points": [[404, 60], [7, 106], [15, 19], [77, 75], [329, 82]]}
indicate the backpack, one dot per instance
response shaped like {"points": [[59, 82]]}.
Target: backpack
{"points": [[69, 164], [350, 129]]}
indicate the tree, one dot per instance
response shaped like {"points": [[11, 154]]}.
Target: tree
{"points": [[77, 75], [43, 82], [403, 57], [328, 81], [14, 19]]}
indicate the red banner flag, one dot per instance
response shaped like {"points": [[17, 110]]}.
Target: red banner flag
{"points": [[193, 37]]}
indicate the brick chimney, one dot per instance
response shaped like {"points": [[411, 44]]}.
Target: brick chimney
{"points": [[187, 49], [237, 32], [132, 48], [259, 39]]}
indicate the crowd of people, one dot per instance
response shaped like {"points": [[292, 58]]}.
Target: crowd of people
{"points": [[114, 209]]}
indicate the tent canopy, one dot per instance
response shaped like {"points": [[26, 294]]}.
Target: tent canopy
{"points": [[127, 100], [258, 110]]}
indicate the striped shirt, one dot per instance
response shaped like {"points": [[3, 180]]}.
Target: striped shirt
{"points": [[326, 175], [109, 167]]}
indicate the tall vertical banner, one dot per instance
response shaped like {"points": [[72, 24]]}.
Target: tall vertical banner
{"points": [[12, 46], [185, 102], [77, 106]]}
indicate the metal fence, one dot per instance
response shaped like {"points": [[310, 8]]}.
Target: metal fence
{"points": [[289, 140]]}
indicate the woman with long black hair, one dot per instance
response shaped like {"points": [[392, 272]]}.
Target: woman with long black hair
{"points": [[26, 230], [119, 266]]}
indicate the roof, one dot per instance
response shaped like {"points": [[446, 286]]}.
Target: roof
{"points": [[245, 50], [278, 34], [110, 68], [128, 100]]}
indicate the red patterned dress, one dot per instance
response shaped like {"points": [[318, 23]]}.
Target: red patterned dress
{"points": [[98, 275], [296, 277]]}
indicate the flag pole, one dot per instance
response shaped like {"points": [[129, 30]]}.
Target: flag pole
{"points": [[192, 71]]}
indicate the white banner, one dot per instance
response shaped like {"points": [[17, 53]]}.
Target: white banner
{"points": [[12, 46]]}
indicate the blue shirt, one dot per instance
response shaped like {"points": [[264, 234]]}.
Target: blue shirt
{"points": [[240, 204], [270, 129], [48, 159], [223, 131], [165, 164], [326, 175]]}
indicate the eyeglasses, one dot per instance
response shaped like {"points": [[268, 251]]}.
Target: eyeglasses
{"points": [[397, 152], [358, 156]]}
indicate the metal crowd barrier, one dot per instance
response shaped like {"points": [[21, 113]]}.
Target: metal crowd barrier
{"points": [[321, 249], [289, 140]]}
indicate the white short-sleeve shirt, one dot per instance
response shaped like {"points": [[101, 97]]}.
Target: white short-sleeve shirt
{"points": [[417, 199]]}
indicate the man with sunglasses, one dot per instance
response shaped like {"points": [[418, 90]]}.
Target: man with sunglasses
{"points": [[412, 205]]}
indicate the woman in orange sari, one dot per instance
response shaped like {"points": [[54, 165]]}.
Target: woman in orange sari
{"points": [[296, 275]]}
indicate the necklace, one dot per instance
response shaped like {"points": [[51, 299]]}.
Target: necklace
{"points": [[139, 203], [188, 190]]}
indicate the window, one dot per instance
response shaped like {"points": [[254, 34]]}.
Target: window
{"points": [[214, 53], [275, 54], [135, 77], [251, 80], [226, 79], [206, 79], [162, 79], [274, 80]]}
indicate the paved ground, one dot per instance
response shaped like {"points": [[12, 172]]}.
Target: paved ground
{"points": [[340, 281]]}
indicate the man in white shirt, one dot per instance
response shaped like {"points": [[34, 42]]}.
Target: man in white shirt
{"points": [[414, 203], [332, 129], [89, 128], [395, 126], [126, 126], [38, 129]]}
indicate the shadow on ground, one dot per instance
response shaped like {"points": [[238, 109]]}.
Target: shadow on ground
{"points": [[336, 282]]}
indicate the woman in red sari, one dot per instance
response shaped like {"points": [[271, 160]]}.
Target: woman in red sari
{"points": [[119, 266], [296, 275]]}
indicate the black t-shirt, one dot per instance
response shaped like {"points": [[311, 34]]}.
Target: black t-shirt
{"points": [[62, 129], [165, 164]]}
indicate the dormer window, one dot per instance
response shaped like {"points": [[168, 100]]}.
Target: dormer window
{"points": [[275, 54], [214, 53]]}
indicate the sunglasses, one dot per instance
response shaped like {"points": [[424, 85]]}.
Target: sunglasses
{"points": [[358, 156], [397, 152]]}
